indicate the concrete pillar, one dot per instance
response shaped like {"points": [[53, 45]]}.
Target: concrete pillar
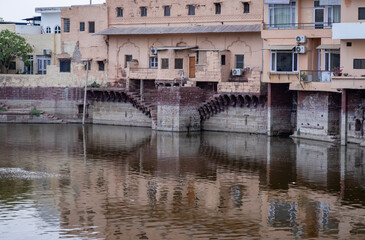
{"points": [[141, 89], [344, 117], [177, 109], [269, 114]]}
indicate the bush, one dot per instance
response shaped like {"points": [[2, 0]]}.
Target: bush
{"points": [[94, 85], [35, 112], [2, 109]]}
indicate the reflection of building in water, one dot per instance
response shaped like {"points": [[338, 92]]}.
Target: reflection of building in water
{"points": [[135, 183]]}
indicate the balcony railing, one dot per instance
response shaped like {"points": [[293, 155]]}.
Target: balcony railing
{"points": [[315, 76], [298, 26]]}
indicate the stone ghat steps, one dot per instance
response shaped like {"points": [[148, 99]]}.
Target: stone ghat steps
{"points": [[27, 111], [219, 102], [3, 106]]}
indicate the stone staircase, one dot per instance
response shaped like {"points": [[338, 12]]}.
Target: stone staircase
{"points": [[26, 111]]}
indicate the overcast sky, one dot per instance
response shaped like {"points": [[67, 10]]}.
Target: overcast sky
{"points": [[15, 10]]}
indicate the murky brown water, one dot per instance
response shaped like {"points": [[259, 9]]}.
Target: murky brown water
{"points": [[133, 183]]}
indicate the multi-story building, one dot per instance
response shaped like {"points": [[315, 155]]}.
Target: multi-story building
{"points": [[300, 55], [351, 34]]}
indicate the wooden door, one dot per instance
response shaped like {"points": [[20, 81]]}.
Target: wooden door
{"points": [[191, 67]]}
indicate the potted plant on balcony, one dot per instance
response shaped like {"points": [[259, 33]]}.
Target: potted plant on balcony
{"points": [[303, 77], [337, 71]]}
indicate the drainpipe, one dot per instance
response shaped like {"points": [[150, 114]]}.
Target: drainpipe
{"points": [[85, 93]]}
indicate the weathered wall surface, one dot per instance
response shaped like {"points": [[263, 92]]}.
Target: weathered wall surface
{"points": [[318, 115], [177, 108], [280, 110], [239, 119], [61, 102], [119, 114], [355, 116]]}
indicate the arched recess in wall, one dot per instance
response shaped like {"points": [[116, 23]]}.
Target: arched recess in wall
{"points": [[206, 44], [240, 47], [126, 48]]}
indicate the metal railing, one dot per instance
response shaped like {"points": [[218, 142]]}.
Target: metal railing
{"points": [[298, 26], [315, 76]]}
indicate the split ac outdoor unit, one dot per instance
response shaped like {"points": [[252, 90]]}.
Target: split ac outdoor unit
{"points": [[300, 49], [301, 39], [47, 52], [153, 51], [236, 72]]}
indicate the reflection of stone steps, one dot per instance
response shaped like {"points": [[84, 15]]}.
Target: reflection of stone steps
{"points": [[52, 118]]}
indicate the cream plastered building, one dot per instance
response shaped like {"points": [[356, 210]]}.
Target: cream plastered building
{"points": [[195, 43]]}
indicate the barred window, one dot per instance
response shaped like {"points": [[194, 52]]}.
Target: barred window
{"points": [[66, 25], [119, 12], [143, 11], [82, 26], [191, 10], [179, 63], [164, 63], [167, 11], [91, 27], [359, 63]]}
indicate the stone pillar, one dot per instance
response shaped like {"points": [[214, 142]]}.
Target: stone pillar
{"points": [[344, 118], [177, 109], [269, 101], [141, 89]]}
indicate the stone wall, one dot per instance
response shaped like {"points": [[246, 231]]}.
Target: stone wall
{"points": [[355, 122], [119, 114], [281, 110], [318, 115], [239, 119], [61, 102], [177, 108]]}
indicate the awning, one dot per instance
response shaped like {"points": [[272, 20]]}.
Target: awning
{"points": [[329, 46], [280, 47], [174, 48], [329, 2], [180, 30], [277, 1], [63, 56]]}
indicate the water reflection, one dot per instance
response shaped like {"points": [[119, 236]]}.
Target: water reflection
{"points": [[63, 181]]}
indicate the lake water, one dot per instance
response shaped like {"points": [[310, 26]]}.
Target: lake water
{"points": [[112, 182]]}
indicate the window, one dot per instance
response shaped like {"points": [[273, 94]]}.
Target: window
{"points": [[65, 65], [167, 11], [128, 58], [101, 65], [12, 66], [119, 12], [361, 13], [87, 65], [82, 26], [66, 25], [333, 14], [284, 61], [164, 63], [348, 44], [246, 7], [57, 29], [282, 15], [42, 63], [191, 10], [359, 63], [179, 63], [48, 30], [331, 60], [218, 8], [223, 60], [153, 62], [143, 11], [91, 27], [239, 61]]}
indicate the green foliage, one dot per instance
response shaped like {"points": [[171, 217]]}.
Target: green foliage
{"points": [[12, 46], [2, 109], [94, 85], [35, 112]]}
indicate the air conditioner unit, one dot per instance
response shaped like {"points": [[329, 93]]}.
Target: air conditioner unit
{"points": [[153, 51], [301, 39], [236, 72], [47, 52], [300, 49]]}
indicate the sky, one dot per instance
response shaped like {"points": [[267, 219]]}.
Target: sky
{"points": [[16, 10]]}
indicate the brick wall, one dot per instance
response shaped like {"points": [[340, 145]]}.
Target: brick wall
{"points": [[355, 100]]}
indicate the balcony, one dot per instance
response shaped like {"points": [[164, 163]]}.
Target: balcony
{"points": [[315, 76], [142, 73], [326, 25], [348, 30]]}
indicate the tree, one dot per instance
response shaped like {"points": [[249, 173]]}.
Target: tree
{"points": [[12, 46]]}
